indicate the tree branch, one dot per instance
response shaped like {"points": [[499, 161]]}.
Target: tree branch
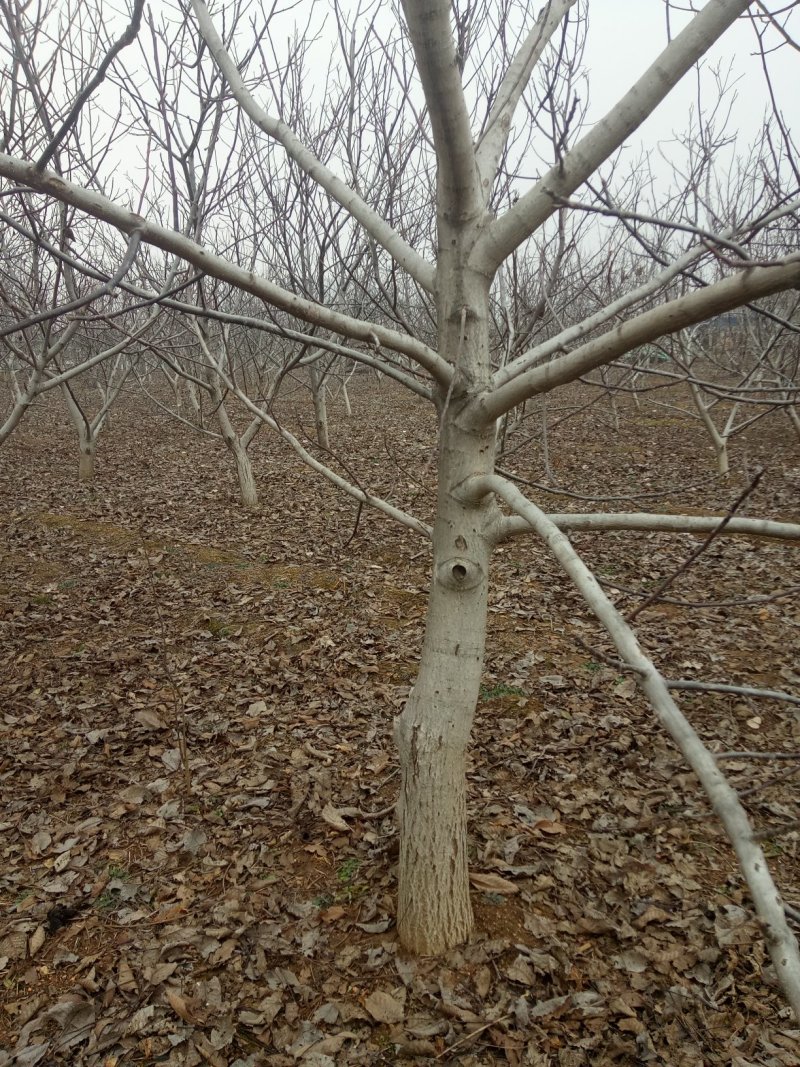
{"points": [[645, 522], [498, 125], [432, 37], [580, 162], [100, 207], [668, 318], [780, 940], [388, 238]]}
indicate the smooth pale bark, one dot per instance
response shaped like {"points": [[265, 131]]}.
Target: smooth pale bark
{"points": [[667, 318], [86, 461], [248, 491], [433, 732], [719, 440], [88, 430], [606, 136], [319, 393], [15, 416], [374, 224], [216, 266], [780, 940], [644, 521], [236, 445]]}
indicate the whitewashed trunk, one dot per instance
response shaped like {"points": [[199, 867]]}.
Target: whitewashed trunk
{"points": [[86, 456], [248, 492], [318, 391], [719, 441], [721, 452], [433, 731]]}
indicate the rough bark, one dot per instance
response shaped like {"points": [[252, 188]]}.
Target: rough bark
{"points": [[248, 492], [433, 731], [319, 393]]}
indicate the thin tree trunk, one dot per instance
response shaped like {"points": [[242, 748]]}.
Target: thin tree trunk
{"points": [[318, 391], [248, 492], [87, 449], [719, 441]]}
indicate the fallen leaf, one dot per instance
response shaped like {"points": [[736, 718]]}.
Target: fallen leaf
{"points": [[383, 1007], [333, 817], [493, 883]]}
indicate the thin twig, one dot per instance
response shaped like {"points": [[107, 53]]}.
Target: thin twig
{"points": [[738, 690], [670, 579], [791, 772], [475, 1033], [740, 602], [784, 828]]}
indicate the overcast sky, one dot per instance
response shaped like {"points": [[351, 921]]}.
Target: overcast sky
{"points": [[625, 36]]}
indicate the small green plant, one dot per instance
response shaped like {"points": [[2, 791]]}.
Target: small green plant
{"points": [[113, 893], [501, 690], [592, 666], [347, 871], [218, 627], [107, 901]]}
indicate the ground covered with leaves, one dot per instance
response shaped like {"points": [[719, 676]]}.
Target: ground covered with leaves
{"points": [[197, 774]]}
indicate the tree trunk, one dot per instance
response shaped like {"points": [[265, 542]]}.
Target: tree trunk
{"points": [[87, 450], [720, 441], [318, 391], [248, 493], [794, 418], [433, 731], [721, 452]]}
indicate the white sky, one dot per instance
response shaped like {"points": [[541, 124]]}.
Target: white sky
{"points": [[625, 36]]}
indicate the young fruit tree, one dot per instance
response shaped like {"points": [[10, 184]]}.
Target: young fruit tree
{"points": [[475, 86]]}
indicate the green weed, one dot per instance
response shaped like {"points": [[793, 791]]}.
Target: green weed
{"points": [[501, 690]]}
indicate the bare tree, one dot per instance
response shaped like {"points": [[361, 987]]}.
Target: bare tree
{"points": [[478, 69]]}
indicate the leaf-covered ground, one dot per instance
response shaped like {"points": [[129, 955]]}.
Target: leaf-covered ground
{"points": [[241, 911]]}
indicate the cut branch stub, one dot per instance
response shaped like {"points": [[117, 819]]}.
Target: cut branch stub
{"points": [[459, 573]]}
